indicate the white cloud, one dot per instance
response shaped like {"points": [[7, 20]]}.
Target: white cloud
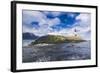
{"points": [[84, 20], [26, 29], [54, 21], [43, 30], [29, 16], [54, 14], [84, 17], [44, 23]]}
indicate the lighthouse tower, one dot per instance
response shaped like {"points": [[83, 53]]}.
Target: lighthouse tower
{"points": [[75, 32]]}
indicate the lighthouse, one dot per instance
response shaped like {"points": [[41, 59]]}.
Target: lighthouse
{"points": [[75, 32]]}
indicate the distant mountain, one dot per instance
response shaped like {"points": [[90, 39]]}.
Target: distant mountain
{"points": [[28, 36], [54, 39]]}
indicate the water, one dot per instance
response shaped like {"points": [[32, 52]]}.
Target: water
{"points": [[56, 52], [27, 42]]}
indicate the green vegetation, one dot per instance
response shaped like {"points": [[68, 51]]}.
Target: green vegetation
{"points": [[55, 39]]}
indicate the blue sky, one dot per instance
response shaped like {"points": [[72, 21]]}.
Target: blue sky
{"points": [[56, 23]]}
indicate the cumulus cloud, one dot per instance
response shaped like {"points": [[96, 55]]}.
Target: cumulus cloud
{"points": [[30, 16], [54, 14], [43, 22], [54, 21], [84, 20]]}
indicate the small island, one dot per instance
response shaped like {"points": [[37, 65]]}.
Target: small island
{"points": [[57, 39]]}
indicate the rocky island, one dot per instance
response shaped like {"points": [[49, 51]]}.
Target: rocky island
{"points": [[56, 39]]}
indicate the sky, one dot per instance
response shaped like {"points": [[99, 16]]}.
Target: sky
{"points": [[56, 23]]}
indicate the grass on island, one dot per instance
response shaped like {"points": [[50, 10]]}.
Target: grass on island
{"points": [[56, 39]]}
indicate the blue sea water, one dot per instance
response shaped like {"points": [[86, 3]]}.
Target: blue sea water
{"points": [[56, 52]]}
